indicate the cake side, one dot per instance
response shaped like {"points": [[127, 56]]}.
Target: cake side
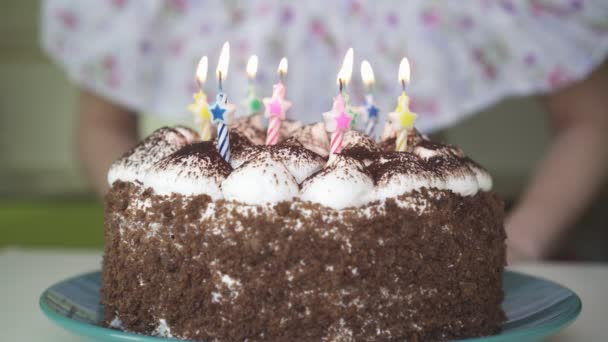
{"points": [[424, 266]]}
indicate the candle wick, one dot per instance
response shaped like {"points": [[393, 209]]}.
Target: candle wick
{"points": [[220, 82], [341, 84], [403, 84]]}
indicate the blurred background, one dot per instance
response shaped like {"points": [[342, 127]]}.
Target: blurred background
{"points": [[45, 201]]}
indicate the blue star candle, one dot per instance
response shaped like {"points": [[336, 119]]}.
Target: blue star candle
{"points": [[221, 106], [371, 111]]}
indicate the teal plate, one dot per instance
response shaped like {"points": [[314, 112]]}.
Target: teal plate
{"points": [[535, 308]]}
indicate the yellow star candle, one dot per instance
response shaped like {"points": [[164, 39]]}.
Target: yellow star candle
{"points": [[402, 119], [200, 107]]}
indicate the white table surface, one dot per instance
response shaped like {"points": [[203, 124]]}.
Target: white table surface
{"points": [[24, 274]]}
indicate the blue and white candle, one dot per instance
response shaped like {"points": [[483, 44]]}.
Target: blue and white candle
{"points": [[371, 111], [221, 108]]}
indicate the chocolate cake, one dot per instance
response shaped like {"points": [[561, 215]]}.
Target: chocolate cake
{"points": [[284, 243]]}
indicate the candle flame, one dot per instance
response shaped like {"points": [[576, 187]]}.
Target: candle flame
{"points": [[282, 69], [347, 68], [201, 70], [367, 74], [222, 64], [252, 66], [404, 71]]}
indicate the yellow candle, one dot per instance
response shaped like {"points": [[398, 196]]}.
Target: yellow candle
{"points": [[200, 107], [402, 119]]}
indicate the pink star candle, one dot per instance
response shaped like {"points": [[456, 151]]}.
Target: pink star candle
{"points": [[337, 120], [276, 106]]}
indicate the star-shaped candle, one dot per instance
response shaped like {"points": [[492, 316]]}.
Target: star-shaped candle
{"points": [[276, 106], [221, 107], [200, 107], [402, 119], [339, 119], [370, 109], [252, 102]]}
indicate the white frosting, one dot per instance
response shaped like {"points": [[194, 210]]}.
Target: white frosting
{"points": [[426, 153], [484, 180], [398, 185], [163, 329], [358, 139], [190, 135], [243, 155], [314, 137], [301, 171], [340, 185], [463, 184], [265, 175], [260, 180], [300, 164], [125, 173], [190, 175], [161, 143]]}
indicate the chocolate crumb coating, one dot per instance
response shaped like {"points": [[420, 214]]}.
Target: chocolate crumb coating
{"points": [[425, 266], [422, 264]]}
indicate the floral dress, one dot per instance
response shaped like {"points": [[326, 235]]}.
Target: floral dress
{"points": [[464, 55]]}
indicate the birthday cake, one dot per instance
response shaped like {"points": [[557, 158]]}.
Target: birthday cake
{"points": [[285, 243]]}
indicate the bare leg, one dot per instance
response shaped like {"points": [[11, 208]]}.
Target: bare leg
{"points": [[571, 172], [105, 132]]}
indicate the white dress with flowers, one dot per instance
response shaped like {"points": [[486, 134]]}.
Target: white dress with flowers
{"points": [[464, 55]]}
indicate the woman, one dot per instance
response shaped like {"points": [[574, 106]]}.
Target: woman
{"points": [[131, 57]]}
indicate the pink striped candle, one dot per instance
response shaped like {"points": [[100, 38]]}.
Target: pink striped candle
{"points": [[276, 107], [337, 121]]}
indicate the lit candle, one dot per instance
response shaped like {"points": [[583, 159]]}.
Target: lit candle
{"points": [[221, 107], [253, 103], [276, 106], [402, 119], [371, 111], [200, 107], [338, 120]]}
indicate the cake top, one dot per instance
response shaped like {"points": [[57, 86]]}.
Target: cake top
{"points": [[173, 160]]}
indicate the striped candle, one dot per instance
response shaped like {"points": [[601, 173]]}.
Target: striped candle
{"points": [[274, 128], [341, 116], [221, 105], [202, 115], [401, 143], [335, 145], [223, 140], [402, 119], [205, 130], [337, 121], [371, 115], [219, 110], [276, 106]]}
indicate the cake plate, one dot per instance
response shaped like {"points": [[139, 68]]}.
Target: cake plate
{"points": [[536, 308]]}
